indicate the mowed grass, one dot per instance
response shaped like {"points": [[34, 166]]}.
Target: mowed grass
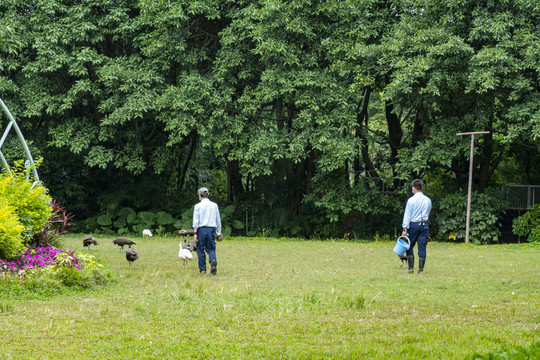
{"points": [[282, 299]]}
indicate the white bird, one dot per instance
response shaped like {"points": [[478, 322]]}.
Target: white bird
{"points": [[185, 254], [146, 233]]}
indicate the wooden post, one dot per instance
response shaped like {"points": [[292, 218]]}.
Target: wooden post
{"points": [[470, 179]]}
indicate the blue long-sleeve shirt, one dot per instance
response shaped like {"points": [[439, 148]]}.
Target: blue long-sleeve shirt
{"points": [[417, 209], [206, 213]]}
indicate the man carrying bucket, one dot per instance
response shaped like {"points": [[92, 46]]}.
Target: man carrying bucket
{"points": [[415, 223]]}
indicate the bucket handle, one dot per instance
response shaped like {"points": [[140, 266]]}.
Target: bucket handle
{"points": [[406, 238]]}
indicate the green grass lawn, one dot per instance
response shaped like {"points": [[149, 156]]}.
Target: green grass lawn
{"points": [[278, 299]]}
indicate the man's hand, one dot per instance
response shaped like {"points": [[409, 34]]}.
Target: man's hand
{"points": [[219, 237], [195, 238], [404, 232]]}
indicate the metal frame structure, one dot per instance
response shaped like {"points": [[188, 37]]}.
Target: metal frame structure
{"points": [[13, 124], [521, 197]]}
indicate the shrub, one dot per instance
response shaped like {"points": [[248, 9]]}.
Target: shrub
{"points": [[30, 203], [10, 232], [59, 224], [125, 220], [510, 353], [528, 224], [486, 210]]}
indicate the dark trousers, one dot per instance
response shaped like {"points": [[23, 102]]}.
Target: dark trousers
{"points": [[418, 233], [206, 237]]}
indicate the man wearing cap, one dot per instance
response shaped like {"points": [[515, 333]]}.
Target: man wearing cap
{"points": [[206, 225], [415, 224]]}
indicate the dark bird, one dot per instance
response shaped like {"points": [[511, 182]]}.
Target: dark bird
{"points": [[120, 241], [403, 259], [131, 255], [191, 246], [89, 240]]}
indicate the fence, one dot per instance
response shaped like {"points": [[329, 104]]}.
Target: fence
{"points": [[520, 197]]}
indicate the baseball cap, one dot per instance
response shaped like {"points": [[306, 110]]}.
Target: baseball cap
{"points": [[203, 190]]}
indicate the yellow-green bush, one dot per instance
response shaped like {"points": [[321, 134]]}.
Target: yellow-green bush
{"points": [[25, 210], [10, 232], [32, 205]]}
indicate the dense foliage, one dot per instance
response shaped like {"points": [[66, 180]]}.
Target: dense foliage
{"points": [[58, 224], [24, 210], [30, 202], [309, 116], [528, 224], [510, 353], [486, 210], [10, 232], [9, 42]]}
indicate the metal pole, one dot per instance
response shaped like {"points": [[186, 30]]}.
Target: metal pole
{"points": [[469, 193], [21, 138], [3, 159]]}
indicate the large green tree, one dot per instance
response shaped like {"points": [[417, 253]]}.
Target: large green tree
{"points": [[93, 88], [314, 111]]}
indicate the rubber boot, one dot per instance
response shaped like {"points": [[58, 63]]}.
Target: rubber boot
{"points": [[421, 263], [410, 260]]}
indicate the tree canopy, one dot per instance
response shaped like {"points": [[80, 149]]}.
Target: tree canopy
{"points": [[305, 114]]}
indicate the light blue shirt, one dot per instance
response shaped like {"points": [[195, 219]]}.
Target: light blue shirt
{"points": [[206, 213], [417, 209]]}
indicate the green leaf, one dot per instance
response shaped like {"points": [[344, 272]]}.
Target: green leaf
{"points": [[229, 210], [112, 210], [123, 231], [163, 218], [104, 220], [125, 211], [237, 224], [131, 218], [226, 230], [139, 228], [120, 222], [187, 224], [177, 224], [148, 218]]}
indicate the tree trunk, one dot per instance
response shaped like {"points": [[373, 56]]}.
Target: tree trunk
{"points": [[229, 183], [395, 134], [298, 184], [362, 121], [310, 172], [234, 181], [460, 179], [193, 145]]}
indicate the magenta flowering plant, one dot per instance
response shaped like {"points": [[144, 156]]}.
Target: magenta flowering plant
{"points": [[42, 257]]}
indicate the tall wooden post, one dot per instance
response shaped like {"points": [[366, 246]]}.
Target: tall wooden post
{"points": [[470, 179]]}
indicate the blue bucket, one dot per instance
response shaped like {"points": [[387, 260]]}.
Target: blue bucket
{"points": [[402, 245]]}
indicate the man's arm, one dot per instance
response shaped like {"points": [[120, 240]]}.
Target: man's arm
{"points": [[195, 222], [406, 219], [218, 222]]}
